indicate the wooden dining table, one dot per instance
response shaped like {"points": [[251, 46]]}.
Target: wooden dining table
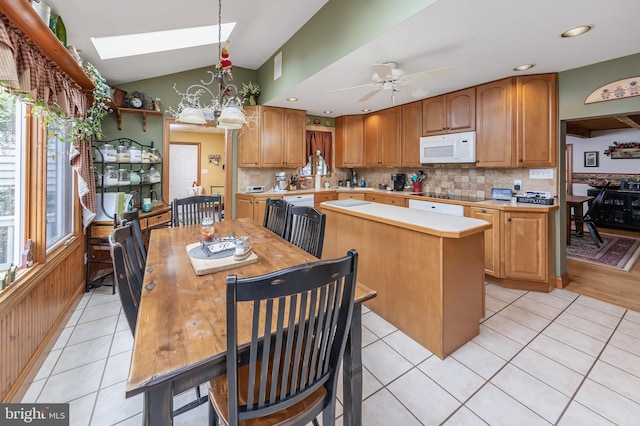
{"points": [[180, 338], [576, 203]]}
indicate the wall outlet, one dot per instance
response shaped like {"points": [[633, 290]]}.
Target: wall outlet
{"points": [[541, 173], [517, 184]]}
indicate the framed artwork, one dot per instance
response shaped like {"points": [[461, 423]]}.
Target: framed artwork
{"points": [[591, 159]]}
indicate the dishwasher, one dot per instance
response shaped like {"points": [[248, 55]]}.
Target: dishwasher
{"points": [[300, 200]]}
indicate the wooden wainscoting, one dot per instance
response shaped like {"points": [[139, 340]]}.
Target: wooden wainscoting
{"points": [[33, 313]]}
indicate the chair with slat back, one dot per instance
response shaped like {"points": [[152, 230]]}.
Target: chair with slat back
{"points": [[132, 218], [590, 216], [275, 215], [128, 273], [288, 373], [191, 210], [305, 229]]}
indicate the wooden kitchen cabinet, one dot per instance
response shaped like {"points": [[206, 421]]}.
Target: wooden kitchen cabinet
{"points": [[386, 199], [278, 139], [345, 195], [517, 122], [321, 197], [382, 133], [453, 112], [349, 144], [252, 206], [526, 246], [493, 247], [411, 133], [244, 206]]}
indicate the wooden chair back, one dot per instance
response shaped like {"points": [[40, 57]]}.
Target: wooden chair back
{"points": [[305, 229], [191, 210], [275, 215], [301, 318], [132, 218], [127, 272]]}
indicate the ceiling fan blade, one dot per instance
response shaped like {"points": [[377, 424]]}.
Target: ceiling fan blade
{"points": [[424, 75], [369, 95], [352, 87], [384, 71]]}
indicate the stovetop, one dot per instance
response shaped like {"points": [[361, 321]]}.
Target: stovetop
{"points": [[467, 198]]}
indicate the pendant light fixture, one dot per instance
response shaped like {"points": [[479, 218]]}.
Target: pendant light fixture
{"points": [[217, 100]]}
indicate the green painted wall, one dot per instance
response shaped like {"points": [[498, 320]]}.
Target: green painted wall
{"points": [[577, 84], [337, 29]]}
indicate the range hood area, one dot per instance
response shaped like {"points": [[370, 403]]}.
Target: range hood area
{"points": [[583, 128]]}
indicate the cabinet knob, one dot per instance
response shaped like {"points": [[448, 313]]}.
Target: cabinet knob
{"points": [[521, 160], [483, 210], [509, 219]]}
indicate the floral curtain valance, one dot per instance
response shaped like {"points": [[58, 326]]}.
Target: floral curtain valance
{"points": [[25, 69]]}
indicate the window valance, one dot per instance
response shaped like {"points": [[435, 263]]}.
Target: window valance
{"points": [[25, 69]]}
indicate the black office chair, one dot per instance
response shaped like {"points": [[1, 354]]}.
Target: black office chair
{"points": [[129, 276], [191, 210], [288, 374], [275, 215], [590, 216], [305, 229]]}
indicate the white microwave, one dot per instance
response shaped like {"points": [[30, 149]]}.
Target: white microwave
{"points": [[449, 148]]}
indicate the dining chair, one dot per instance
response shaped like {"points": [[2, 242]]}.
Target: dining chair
{"points": [[589, 217], [275, 215], [305, 229], [129, 277], [132, 218], [288, 373], [191, 210]]}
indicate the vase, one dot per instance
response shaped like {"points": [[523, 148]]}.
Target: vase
{"points": [[252, 100]]}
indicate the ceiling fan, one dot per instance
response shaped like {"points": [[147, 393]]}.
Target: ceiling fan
{"points": [[387, 77]]}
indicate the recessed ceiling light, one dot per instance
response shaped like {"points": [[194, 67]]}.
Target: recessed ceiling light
{"points": [[576, 31], [159, 41], [524, 67], [366, 110], [292, 99], [328, 112]]}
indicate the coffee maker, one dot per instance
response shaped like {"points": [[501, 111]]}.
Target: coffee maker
{"points": [[399, 180]]}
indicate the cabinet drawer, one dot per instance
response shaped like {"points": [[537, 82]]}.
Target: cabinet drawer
{"points": [[320, 198], [156, 220], [100, 231]]}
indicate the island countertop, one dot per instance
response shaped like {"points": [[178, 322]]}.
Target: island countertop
{"points": [[437, 224]]}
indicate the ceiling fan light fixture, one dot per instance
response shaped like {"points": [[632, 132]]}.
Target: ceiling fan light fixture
{"points": [[524, 67], [574, 32]]}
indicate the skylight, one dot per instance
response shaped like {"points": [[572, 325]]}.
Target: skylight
{"points": [[159, 41]]}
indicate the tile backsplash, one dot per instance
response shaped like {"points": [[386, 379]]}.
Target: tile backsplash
{"points": [[445, 179]]}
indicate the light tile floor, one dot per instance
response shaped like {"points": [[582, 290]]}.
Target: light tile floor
{"points": [[555, 358]]}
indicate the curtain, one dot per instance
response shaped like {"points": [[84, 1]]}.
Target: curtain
{"points": [[320, 141]]}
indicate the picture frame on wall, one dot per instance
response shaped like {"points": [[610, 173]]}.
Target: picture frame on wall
{"points": [[591, 159]]}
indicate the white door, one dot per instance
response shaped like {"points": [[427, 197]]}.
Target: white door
{"points": [[183, 169]]}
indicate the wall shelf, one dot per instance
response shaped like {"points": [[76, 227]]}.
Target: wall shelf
{"points": [[143, 112]]}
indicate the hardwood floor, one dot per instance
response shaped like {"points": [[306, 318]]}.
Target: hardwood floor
{"points": [[610, 285]]}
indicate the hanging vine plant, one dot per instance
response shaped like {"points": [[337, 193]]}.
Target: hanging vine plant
{"points": [[58, 124]]}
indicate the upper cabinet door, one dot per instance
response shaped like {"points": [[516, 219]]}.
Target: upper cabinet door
{"points": [[390, 137], [349, 141], [495, 123], [461, 110], [272, 136], [411, 133], [295, 137], [371, 140], [537, 120], [434, 121], [249, 141]]}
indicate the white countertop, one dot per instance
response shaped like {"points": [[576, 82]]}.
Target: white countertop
{"points": [[445, 225]]}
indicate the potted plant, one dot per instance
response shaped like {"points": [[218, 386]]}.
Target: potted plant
{"points": [[251, 91]]}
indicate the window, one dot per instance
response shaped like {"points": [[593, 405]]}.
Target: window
{"points": [[12, 167], [17, 158], [59, 190]]}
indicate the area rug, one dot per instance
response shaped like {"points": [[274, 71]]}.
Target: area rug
{"points": [[617, 252]]}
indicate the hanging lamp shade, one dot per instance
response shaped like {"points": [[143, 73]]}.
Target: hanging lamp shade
{"points": [[191, 116], [231, 118]]}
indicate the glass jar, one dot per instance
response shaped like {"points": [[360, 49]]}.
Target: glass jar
{"points": [[110, 177], [135, 155], [154, 156], [108, 153], [144, 178], [134, 178], [145, 156], [122, 154], [154, 175], [124, 177]]}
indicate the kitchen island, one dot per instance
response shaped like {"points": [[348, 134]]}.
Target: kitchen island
{"points": [[427, 268]]}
